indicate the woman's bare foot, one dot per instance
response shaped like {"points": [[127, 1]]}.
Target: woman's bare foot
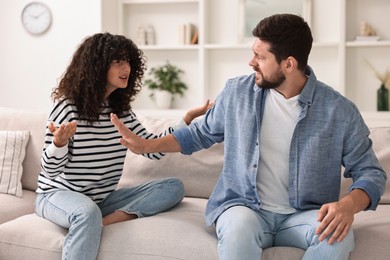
{"points": [[118, 216]]}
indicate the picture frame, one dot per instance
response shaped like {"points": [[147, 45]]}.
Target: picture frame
{"points": [[253, 11]]}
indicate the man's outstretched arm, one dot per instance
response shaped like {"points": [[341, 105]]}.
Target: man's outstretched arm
{"points": [[138, 145]]}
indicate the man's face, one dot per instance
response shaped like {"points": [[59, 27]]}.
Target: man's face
{"points": [[268, 72]]}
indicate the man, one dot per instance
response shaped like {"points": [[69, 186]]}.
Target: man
{"points": [[286, 136]]}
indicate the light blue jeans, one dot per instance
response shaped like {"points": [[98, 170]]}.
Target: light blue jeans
{"points": [[243, 234], [83, 217]]}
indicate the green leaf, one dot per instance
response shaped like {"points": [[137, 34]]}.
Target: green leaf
{"points": [[166, 77]]}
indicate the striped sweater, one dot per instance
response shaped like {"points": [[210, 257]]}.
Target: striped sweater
{"points": [[92, 162]]}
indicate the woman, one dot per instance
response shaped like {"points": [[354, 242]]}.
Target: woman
{"points": [[82, 159]]}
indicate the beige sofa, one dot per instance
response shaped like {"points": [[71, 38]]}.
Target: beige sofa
{"points": [[179, 233]]}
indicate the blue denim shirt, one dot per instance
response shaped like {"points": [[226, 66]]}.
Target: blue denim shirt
{"points": [[330, 133]]}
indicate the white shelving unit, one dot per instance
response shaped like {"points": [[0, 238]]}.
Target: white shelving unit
{"points": [[360, 79], [166, 16], [336, 57]]}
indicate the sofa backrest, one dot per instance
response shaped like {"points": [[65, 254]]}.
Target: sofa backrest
{"points": [[380, 137], [199, 172], [34, 122]]}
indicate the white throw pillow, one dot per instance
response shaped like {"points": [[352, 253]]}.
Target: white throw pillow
{"points": [[12, 151]]}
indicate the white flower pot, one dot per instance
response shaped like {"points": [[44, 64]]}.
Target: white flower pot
{"points": [[163, 99]]}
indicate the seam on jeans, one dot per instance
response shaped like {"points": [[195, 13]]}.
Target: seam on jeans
{"points": [[139, 214], [159, 186], [52, 205]]}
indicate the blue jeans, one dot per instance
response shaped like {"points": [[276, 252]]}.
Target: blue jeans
{"points": [[83, 217], [243, 234]]}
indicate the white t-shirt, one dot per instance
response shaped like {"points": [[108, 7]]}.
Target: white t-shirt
{"points": [[279, 121]]}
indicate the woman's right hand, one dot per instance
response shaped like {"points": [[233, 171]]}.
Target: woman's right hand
{"points": [[197, 111], [62, 133]]}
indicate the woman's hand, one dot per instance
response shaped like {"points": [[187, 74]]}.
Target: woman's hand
{"points": [[197, 111], [63, 133]]}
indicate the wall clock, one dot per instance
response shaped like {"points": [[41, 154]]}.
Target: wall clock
{"points": [[36, 18]]}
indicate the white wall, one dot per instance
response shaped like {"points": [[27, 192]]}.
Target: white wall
{"points": [[31, 65]]}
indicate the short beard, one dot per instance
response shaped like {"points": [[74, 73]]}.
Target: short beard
{"points": [[267, 84]]}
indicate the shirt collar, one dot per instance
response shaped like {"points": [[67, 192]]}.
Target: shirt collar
{"points": [[307, 94], [255, 87]]}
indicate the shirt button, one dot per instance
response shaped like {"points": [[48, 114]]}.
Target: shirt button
{"points": [[254, 165]]}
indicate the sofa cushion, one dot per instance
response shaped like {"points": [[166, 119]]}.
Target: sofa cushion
{"points": [[12, 152], [31, 237], [372, 234], [199, 171], [177, 234], [12, 207]]}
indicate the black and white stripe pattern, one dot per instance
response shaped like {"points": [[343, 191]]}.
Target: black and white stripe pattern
{"points": [[92, 162]]}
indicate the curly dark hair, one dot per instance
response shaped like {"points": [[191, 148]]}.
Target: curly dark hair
{"points": [[288, 34], [84, 81]]}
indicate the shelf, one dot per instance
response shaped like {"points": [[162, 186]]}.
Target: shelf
{"points": [[249, 45], [167, 18], [368, 44], [169, 47], [359, 80], [325, 44], [158, 1], [377, 119], [227, 46]]}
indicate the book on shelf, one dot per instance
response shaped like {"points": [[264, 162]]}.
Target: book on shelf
{"points": [[188, 34]]}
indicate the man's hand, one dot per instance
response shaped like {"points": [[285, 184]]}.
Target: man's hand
{"points": [[129, 139], [337, 217], [62, 133], [138, 145], [198, 111]]}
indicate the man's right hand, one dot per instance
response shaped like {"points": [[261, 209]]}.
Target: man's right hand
{"points": [[129, 139], [138, 145]]}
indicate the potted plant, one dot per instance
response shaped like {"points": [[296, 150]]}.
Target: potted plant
{"points": [[165, 83]]}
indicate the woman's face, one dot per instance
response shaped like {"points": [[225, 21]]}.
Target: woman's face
{"points": [[117, 76]]}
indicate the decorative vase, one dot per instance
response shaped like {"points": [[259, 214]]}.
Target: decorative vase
{"points": [[383, 98], [163, 99], [150, 35]]}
